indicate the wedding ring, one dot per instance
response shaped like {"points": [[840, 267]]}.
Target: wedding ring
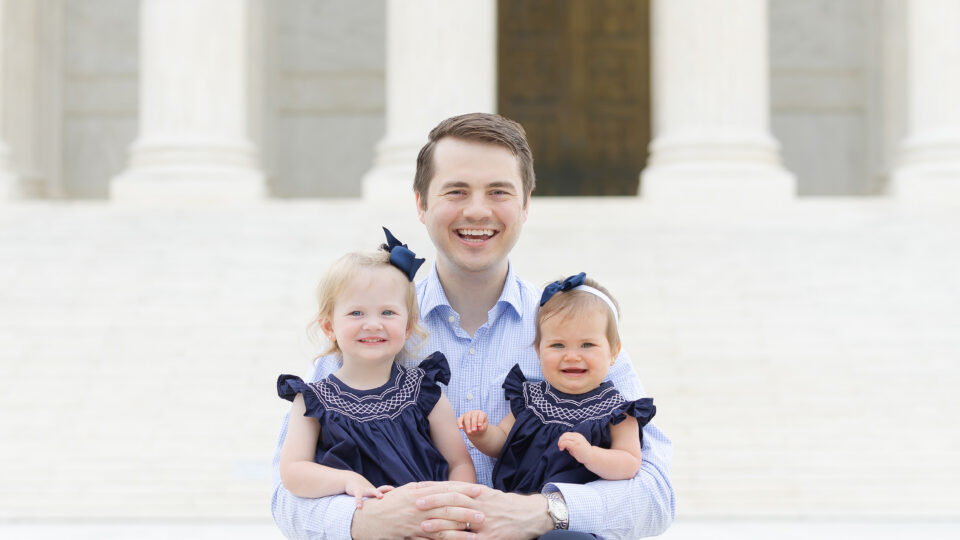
{"points": [[468, 527]]}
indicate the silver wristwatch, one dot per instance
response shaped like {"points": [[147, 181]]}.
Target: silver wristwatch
{"points": [[558, 510]]}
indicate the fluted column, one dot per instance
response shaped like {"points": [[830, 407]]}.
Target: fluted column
{"points": [[194, 142], [441, 61], [9, 183], [8, 177], [928, 168], [21, 92], [711, 118]]}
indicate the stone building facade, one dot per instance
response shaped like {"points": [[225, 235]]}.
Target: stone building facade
{"points": [[150, 100]]}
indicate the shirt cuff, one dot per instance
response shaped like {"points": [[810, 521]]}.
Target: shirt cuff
{"points": [[338, 519], [584, 506]]}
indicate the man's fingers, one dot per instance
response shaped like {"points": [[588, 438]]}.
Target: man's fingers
{"points": [[428, 488], [448, 507], [452, 529], [444, 500], [425, 484], [450, 500]]}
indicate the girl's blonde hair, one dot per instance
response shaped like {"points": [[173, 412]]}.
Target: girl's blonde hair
{"points": [[339, 276], [571, 304]]}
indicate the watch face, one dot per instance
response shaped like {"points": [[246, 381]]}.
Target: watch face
{"points": [[558, 511]]}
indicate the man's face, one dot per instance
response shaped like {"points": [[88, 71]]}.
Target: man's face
{"points": [[475, 206]]}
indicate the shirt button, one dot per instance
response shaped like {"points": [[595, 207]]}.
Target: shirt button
{"points": [[451, 318], [473, 351], [469, 396], [470, 444]]}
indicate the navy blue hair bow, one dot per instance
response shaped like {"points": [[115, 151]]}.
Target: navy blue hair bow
{"points": [[401, 256], [562, 285]]}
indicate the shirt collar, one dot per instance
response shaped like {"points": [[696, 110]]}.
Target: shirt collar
{"points": [[511, 295], [433, 296]]}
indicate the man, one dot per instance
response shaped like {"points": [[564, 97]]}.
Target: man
{"points": [[473, 184]]}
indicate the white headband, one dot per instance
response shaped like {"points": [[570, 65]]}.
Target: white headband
{"points": [[601, 296]]}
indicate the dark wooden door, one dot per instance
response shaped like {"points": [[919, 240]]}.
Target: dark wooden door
{"points": [[576, 74]]}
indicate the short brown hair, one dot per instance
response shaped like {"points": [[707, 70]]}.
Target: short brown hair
{"points": [[481, 127], [569, 304]]}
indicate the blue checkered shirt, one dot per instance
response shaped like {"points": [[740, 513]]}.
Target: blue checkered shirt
{"points": [[642, 506]]}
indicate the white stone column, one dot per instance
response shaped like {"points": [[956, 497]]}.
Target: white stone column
{"points": [[21, 91], [711, 118], [194, 142], [9, 179], [929, 161], [441, 61]]}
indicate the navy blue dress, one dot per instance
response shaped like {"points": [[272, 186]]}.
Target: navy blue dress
{"points": [[381, 433], [530, 457]]}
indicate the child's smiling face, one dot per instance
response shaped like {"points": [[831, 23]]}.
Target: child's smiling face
{"points": [[370, 319], [574, 352]]}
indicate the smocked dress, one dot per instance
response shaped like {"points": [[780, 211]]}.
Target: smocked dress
{"points": [[381, 433], [530, 457]]}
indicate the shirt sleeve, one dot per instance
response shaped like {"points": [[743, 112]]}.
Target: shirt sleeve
{"points": [[641, 506], [301, 518]]}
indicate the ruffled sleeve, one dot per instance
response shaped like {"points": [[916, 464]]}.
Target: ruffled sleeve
{"points": [[513, 389], [288, 386], [436, 371], [642, 409], [436, 368]]}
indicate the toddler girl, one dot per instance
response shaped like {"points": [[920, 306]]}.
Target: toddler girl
{"points": [[572, 427], [373, 422]]}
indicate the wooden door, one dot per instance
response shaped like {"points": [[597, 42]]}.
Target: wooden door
{"points": [[576, 74]]}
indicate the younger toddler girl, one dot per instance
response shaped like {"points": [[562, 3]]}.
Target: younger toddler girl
{"points": [[573, 427]]}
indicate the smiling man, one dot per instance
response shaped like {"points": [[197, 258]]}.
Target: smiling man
{"points": [[473, 184]]}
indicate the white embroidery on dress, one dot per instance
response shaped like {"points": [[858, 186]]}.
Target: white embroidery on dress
{"points": [[388, 404], [552, 409]]}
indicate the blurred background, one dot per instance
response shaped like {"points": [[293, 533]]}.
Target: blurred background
{"points": [[771, 189]]}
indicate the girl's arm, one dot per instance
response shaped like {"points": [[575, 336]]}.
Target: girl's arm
{"points": [[305, 478], [488, 439], [447, 439], [619, 462]]}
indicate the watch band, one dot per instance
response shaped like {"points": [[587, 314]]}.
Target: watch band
{"points": [[557, 508]]}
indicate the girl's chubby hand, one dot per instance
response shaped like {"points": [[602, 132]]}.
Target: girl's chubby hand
{"points": [[473, 422], [576, 444], [360, 487]]}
